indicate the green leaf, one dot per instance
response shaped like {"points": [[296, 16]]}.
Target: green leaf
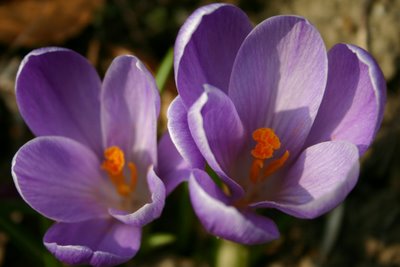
{"points": [[160, 239], [165, 69]]}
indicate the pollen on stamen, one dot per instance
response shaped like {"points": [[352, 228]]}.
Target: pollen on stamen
{"points": [[114, 161], [267, 143], [113, 165]]}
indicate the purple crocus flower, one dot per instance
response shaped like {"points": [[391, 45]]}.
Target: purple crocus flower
{"points": [[281, 121], [93, 167]]}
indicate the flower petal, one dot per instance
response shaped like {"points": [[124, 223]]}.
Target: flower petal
{"points": [[206, 47], [218, 132], [278, 78], [60, 178], [58, 94], [149, 211], [100, 242], [172, 168], [129, 111], [223, 220], [353, 104], [319, 180], [178, 128]]}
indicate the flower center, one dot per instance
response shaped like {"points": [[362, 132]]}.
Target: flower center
{"points": [[267, 143], [113, 165]]}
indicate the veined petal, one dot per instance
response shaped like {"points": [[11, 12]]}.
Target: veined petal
{"points": [[280, 68], [353, 104], [129, 111], [172, 168], [57, 93], [218, 132], [223, 220], [206, 47], [149, 211], [60, 178], [100, 242], [319, 180], [178, 128]]}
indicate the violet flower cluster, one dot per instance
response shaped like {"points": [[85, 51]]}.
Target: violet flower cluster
{"points": [[280, 120]]}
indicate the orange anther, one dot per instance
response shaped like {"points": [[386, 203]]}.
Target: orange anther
{"points": [[113, 165], [267, 136], [262, 151], [114, 161], [267, 143]]}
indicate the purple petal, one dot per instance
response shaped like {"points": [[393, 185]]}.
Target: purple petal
{"points": [[278, 78], [129, 111], [172, 168], [218, 132], [319, 180], [101, 242], [224, 220], [58, 94], [206, 47], [149, 211], [60, 178], [180, 134], [352, 108]]}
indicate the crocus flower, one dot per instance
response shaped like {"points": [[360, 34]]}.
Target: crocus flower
{"points": [[280, 120], [94, 166]]}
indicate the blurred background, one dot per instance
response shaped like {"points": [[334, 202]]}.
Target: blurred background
{"points": [[364, 231]]}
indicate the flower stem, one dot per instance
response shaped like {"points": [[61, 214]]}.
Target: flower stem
{"points": [[231, 254]]}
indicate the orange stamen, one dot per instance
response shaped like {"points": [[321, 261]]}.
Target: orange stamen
{"points": [[267, 143], [132, 168], [276, 164], [113, 165], [256, 167]]}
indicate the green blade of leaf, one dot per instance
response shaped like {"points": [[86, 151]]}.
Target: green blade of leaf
{"points": [[165, 69]]}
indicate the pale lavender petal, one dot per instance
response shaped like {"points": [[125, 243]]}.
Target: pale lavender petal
{"points": [[206, 47], [218, 132], [352, 107], [226, 221], [129, 111], [58, 94], [180, 134], [61, 179], [320, 179], [279, 77], [149, 211], [100, 242], [172, 168]]}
